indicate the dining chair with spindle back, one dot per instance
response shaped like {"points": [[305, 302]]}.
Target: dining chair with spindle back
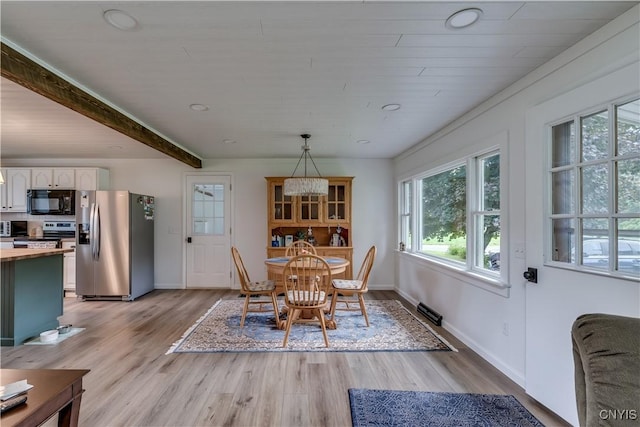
{"points": [[251, 289], [345, 290], [307, 287], [300, 247]]}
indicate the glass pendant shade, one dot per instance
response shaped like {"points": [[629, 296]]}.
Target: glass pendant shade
{"points": [[304, 185]]}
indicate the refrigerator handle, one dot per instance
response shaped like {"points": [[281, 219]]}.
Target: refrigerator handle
{"points": [[97, 228], [92, 240]]}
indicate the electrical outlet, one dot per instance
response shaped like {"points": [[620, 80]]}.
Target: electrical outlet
{"points": [[505, 329]]}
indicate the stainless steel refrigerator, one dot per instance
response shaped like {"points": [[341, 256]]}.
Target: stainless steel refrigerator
{"points": [[114, 245]]}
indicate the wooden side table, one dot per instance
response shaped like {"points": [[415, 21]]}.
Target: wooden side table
{"points": [[54, 391]]}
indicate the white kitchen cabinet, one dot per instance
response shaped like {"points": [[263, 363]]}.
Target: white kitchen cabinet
{"points": [[13, 193], [49, 178], [69, 267], [92, 179]]}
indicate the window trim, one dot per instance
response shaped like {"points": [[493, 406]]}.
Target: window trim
{"points": [[495, 282]]}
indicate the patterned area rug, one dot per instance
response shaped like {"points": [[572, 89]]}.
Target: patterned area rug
{"points": [[421, 408], [392, 328]]}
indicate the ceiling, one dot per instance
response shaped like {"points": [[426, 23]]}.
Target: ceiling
{"points": [[269, 71]]}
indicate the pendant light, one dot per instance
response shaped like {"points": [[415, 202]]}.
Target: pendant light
{"points": [[304, 185]]}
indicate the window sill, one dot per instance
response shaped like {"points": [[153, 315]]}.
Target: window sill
{"points": [[490, 284], [586, 270]]}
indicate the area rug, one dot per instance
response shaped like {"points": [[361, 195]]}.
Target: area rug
{"points": [[61, 337], [421, 408], [392, 328]]}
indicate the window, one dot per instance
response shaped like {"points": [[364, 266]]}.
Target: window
{"points": [[594, 183], [455, 212]]}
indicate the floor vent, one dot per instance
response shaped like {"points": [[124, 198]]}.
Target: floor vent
{"points": [[430, 314]]}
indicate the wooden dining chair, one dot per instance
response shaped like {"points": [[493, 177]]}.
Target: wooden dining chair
{"points": [[300, 247], [307, 288], [349, 293], [250, 289]]}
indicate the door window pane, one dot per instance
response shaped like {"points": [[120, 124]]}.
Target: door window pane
{"points": [[563, 184], [595, 136], [595, 189], [629, 246], [563, 240], [563, 144], [628, 186], [208, 209], [628, 126], [595, 243]]}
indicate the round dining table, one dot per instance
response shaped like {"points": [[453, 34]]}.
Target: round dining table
{"points": [[337, 265]]}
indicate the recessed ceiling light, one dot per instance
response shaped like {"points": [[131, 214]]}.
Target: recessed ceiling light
{"points": [[363, 141], [229, 141], [199, 107], [391, 107], [463, 18], [120, 20]]}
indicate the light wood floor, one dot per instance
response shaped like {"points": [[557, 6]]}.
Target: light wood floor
{"points": [[133, 383]]}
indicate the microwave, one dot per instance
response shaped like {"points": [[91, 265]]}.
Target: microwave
{"points": [[51, 202]]}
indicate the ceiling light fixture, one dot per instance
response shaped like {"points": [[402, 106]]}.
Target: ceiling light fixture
{"points": [[199, 107], [391, 107], [463, 18], [120, 20], [229, 141], [304, 185]]}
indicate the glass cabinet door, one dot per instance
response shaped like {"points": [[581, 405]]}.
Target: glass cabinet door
{"points": [[337, 203], [282, 207], [310, 208]]}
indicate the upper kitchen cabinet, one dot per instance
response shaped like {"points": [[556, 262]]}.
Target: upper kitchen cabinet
{"points": [[50, 178], [13, 193], [92, 179]]}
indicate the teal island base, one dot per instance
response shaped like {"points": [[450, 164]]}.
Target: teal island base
{"points": [[31, 298]]}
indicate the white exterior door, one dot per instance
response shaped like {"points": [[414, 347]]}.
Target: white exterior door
{"points": [[561, 294], [208, 231]]}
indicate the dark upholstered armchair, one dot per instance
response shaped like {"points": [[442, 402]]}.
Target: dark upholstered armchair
{"points": [[606, 353]]}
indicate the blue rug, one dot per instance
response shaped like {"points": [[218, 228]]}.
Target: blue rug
{"points": [[421, 408], [392, 328]]}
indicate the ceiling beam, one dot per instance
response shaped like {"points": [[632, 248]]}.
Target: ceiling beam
{"points": [[25, 72]]}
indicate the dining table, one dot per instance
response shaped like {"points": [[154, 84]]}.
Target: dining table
{"points": [[337, 266]]}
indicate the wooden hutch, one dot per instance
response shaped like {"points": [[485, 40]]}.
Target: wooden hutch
{"points": [[294, 215]]}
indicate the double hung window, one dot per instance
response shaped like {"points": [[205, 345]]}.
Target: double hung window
{"points": [[452, 214]]}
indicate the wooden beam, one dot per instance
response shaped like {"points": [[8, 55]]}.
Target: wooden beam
{"points": [[25, 72]]}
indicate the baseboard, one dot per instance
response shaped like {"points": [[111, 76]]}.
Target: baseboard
{"points": [[168, 286]]}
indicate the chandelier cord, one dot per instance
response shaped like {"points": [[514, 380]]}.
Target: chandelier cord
{"points": [[305, 154]]}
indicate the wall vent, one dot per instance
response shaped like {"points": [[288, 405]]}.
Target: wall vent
{"points": [[430, 314]]}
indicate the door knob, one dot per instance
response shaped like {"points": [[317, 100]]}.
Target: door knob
{"points": [[531, 275], [188, 239]]}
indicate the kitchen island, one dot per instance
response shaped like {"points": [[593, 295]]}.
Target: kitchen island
{"points": [[31, 294]]}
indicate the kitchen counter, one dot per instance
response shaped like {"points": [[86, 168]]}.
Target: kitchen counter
{"points": [[31, 295], [19, 254]]}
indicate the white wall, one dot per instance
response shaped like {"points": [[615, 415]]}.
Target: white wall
{"points": [[473, 314], [373, 206]]}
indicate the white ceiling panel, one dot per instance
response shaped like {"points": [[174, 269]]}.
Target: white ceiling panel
{"points": [[269, 71]]}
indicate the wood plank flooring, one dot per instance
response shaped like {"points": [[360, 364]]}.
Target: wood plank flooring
{"points": [[134, 383]]}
